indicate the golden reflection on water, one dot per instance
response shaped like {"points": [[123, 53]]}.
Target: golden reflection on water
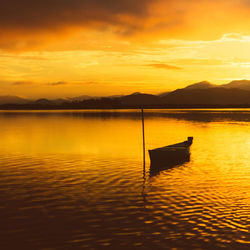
{"points": [[121, 136], [86, 161], [33, 133]]}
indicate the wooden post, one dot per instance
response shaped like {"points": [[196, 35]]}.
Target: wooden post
{"points": [[144, 161], [143, 137]]}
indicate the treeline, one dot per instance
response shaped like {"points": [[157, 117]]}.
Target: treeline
{"points": [[111, 103]]}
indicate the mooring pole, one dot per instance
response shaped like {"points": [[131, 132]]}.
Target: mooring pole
{"points": [[144, 161], [143, 138]]}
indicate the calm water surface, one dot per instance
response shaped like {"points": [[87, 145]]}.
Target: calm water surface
{"points": [[75, 180]]}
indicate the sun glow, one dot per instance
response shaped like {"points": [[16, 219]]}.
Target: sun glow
{"points": [[159, 46]]}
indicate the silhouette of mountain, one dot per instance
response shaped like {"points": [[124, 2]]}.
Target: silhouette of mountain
{"points": [[88, 97], [164, 94], [82, 98], [46, 102], [20, 100], [12, 100], [201, 94], [239, 84], [42, 101], [60, 101], [139, 99], [201, 85], [214, 96]]}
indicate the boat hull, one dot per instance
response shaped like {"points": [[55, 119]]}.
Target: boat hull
{"points": [[169, 156]]}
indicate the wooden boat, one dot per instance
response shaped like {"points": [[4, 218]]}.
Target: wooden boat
{"points": [[171, 155]]}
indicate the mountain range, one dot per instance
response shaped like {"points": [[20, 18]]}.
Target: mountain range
{"points": [[202, 93]]}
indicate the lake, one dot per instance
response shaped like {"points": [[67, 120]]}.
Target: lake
{"points": [[76, 180]]}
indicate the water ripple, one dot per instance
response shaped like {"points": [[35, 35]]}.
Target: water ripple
{"points": [[99, 198]]}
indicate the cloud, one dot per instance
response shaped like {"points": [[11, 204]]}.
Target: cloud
{"points": [[91, 83], [29, 24], [20, 83], [41, 15], [57, 83], [199, 62], [73, 83], [164, 66], [233, 36]]}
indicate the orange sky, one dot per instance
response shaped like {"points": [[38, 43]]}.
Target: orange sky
{"points": [[62, 48]]}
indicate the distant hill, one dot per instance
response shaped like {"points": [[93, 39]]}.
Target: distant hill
{"points": [[164, 94], [42, 101], [81, 98], [60, 101], [138, 99], [235, 93], [47, 102], [20, 100], [88, 97], [212, 96], [239, 84], [201, 85], [12, 100]]}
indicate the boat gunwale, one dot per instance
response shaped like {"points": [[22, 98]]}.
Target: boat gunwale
{"points": [[170, 148]]}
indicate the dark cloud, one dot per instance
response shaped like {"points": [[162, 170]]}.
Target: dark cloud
{"points": [[36, 15], [91, 83], [163, 66], [20, 83], [32, 23], [57, 83]]}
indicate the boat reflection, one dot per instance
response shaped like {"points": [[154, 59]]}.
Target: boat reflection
{"points": [[157, 166]]}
